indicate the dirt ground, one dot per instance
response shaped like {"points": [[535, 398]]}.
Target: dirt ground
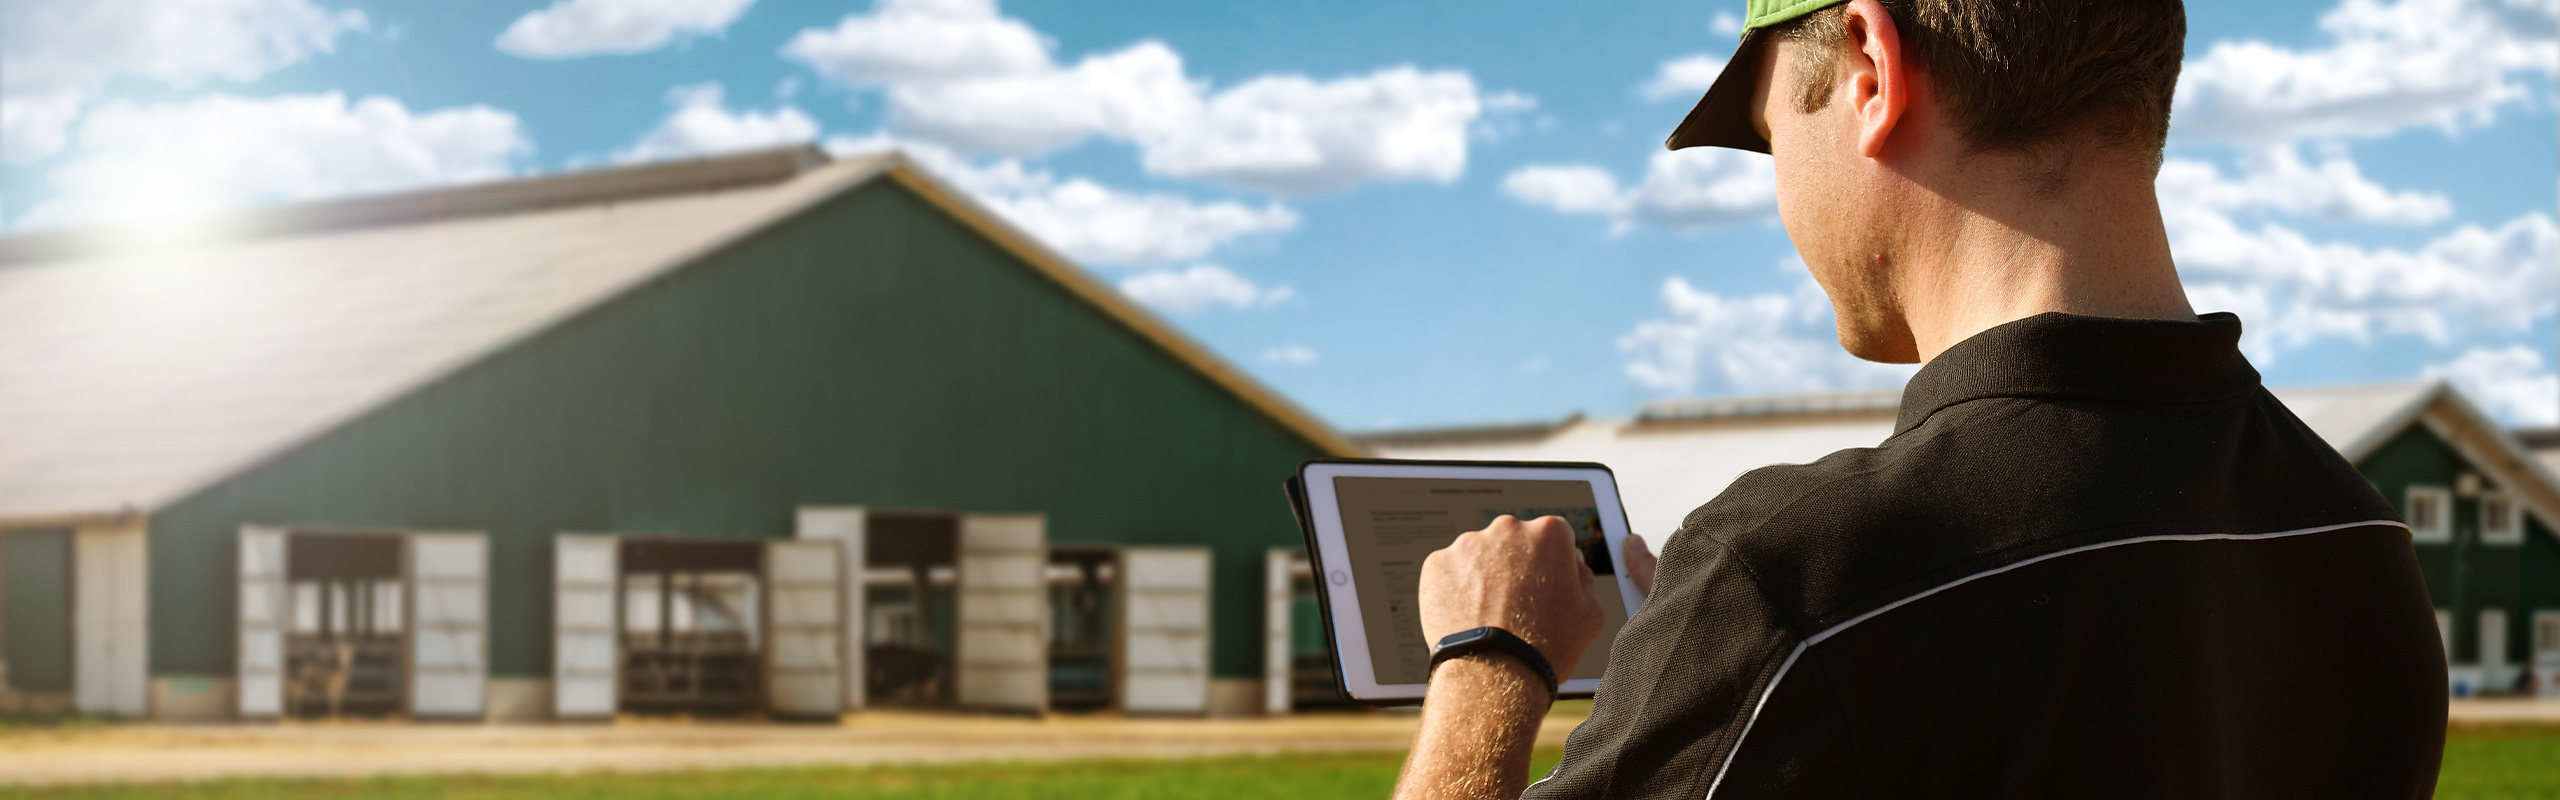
{"points": [[154, 753]]}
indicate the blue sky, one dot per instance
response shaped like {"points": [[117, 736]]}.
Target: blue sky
{"points": [[1398, 214]]}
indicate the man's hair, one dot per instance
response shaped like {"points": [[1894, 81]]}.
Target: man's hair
{"points": [[2015, 73]]}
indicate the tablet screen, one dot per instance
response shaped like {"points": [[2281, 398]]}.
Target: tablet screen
{"points": [[1391, 524]]}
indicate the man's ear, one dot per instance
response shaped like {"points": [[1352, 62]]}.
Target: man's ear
{"points": [[1879, 79]]}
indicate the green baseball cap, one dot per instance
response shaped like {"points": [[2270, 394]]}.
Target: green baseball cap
{"points": [[1723, 117]]}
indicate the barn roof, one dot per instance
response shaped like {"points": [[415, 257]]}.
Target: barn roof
{"points": [[135, 372], [1676, 454]]}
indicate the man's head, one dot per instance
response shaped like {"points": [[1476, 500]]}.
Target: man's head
{"points": [[1881, 112]]}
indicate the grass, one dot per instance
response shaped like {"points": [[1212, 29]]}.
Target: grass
{"points": [[1233, 778], [2479, 764], [2494, 762]]}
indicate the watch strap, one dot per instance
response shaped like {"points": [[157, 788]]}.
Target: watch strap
{"points": [[1496, 640]]}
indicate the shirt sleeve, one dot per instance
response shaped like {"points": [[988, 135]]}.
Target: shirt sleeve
{"points": [[1685, 675]]}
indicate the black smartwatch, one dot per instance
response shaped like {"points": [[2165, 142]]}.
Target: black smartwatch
{"points": [[1492, 639]]}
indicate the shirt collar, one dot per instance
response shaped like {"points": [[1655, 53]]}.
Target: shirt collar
{"points": [[2094, 358]]}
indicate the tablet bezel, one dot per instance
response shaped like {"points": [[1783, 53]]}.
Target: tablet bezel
{"points": [[1321, 520]]}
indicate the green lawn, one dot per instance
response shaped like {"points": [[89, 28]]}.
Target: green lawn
{"points": [[2478, 765], [1250, 778]]}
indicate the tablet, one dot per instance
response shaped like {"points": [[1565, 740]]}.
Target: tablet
{"points": [[1369, 524]]}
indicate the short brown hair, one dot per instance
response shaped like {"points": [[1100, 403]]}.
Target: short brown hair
{"points": [[2014, 73]]}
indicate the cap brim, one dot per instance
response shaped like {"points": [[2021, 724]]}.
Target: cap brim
{"points": [[1723, 117]]}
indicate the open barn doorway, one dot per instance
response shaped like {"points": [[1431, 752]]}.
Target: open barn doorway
{"points": [[345, 625], [911, 594], [692, 630], [1083, 637]]}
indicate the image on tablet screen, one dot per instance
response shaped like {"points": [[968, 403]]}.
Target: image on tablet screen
{"points": [[1391, 524]]}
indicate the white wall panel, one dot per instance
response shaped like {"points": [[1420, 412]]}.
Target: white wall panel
{"points": [[1164, 644], [449, 630], [805, 626], [1279, 566], [844, 526], [1004, 602], [583, 662], [261, 651]]}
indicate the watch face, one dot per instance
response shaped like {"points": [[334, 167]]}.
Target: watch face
{"points": [[1462, 637]]}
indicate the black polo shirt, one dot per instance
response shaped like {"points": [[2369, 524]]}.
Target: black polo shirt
{"points": [[2095, 560]]}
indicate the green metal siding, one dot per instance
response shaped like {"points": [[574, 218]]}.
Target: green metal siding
{"points": [[35, 574], [2539, 583], [872, 351], [2464, 576]]}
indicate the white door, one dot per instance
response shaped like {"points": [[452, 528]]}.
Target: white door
{"points": [[1164, 641], [586, 571], [262, 596], [1279, 569], [449, 624], [1004, 612], [2493, 650], [844, 525], [109, 663], [804, 628]]}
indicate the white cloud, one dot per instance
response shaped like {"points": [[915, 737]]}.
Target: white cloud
{"points": [[1296, 355], [2237, 251], [1683, 78], [1571, 189], [961, 74], [2276, 179], [2511, 383], [1188, 291], [1726, 23], [575, 28], [2470, 280], [56, 55], [1136, 93], [702, 124], [2387, 66], [1090, 222], [142, 162], [1759, 344], [1682, 190], [1294, 135], [921, 40]]}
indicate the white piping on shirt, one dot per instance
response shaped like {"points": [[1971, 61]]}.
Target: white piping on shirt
{"points": [[1827, 633]]}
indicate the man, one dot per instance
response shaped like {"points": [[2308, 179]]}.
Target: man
{"points": [[2094, 559]]}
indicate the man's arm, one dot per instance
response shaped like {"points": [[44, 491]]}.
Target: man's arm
{"points": [[1480, 715], [1478, 722]]}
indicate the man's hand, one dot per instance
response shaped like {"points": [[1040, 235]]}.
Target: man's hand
{"points": [[1523, 577], [1481, 713]]}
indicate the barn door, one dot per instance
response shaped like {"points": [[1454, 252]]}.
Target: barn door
{"points": [[262, 595], [107, 605], [1164, 643], [449, 624], [583, 659], [804, 628], [1004, 612], [1279, 600], [845, 526]]}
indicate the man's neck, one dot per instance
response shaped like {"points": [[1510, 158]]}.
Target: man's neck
{"points": [[2093, 245]]}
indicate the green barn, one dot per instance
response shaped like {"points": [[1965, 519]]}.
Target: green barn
{"points": [[762, 434]]}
